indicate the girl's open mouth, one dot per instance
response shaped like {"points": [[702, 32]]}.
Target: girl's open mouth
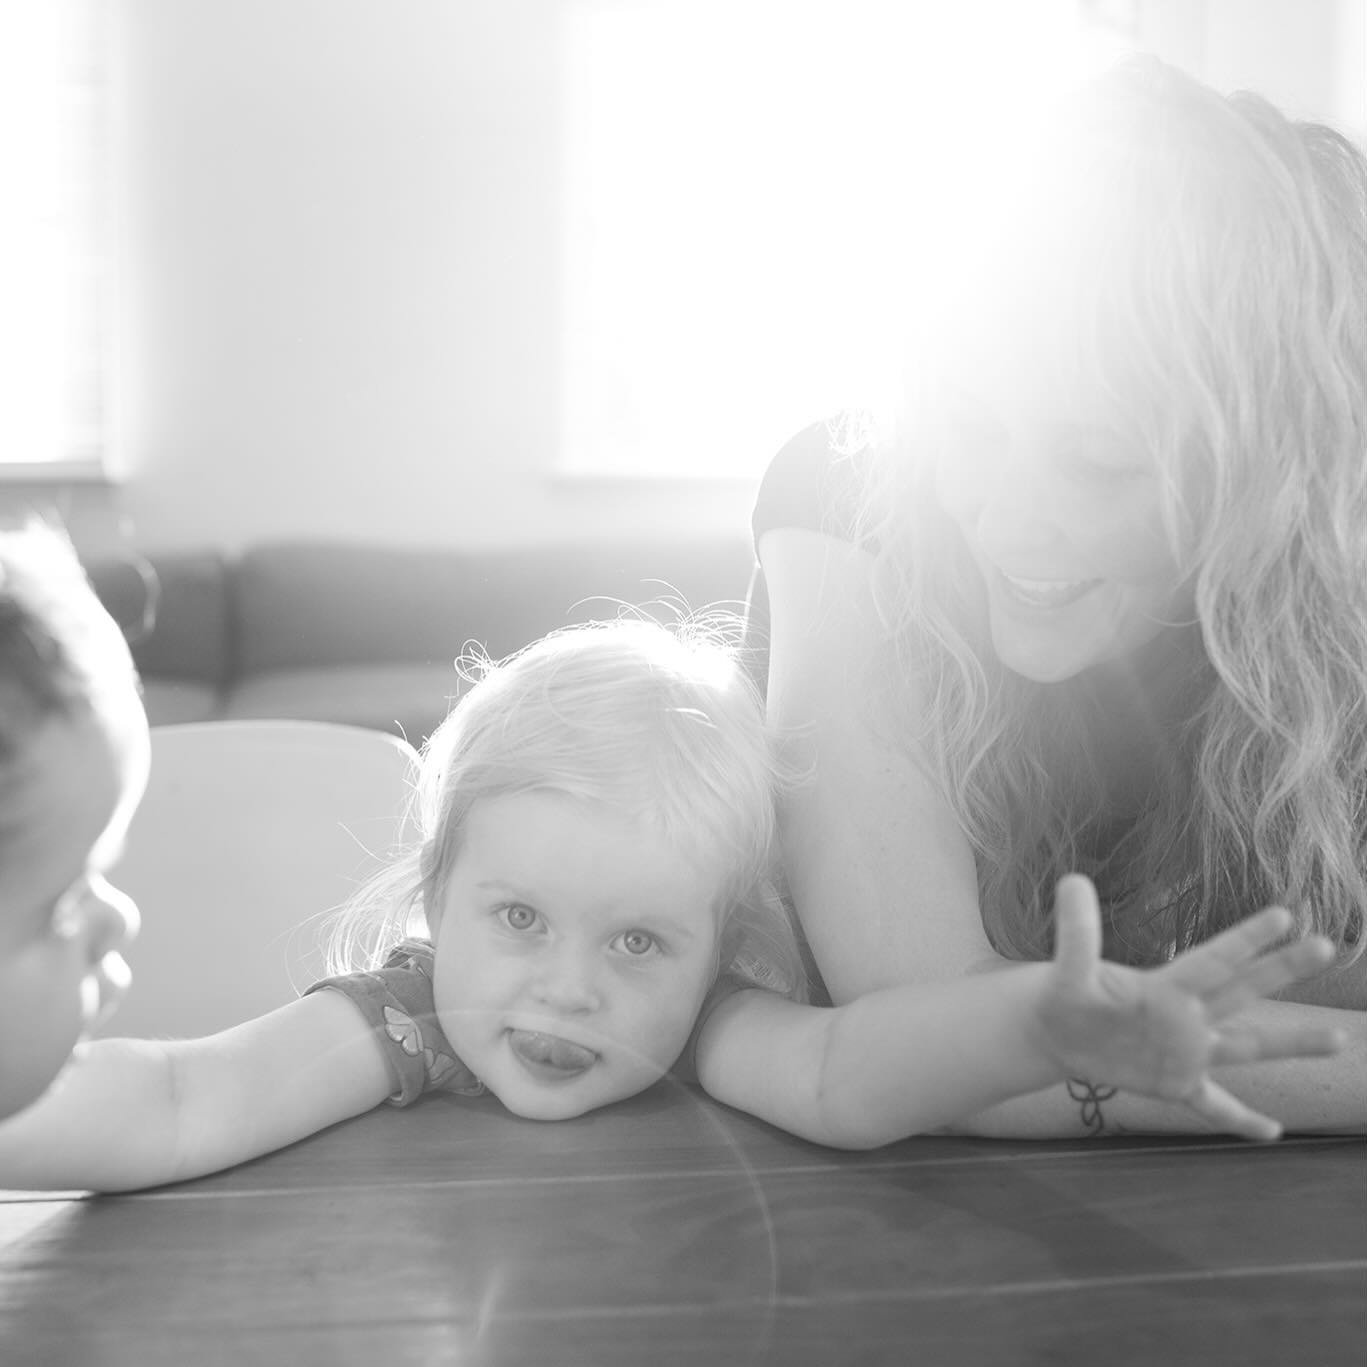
{"points": [[550, 1056]]}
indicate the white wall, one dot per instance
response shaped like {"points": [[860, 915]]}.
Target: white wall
{"points": [[1307, 56], [339, 275], [341, 280]]}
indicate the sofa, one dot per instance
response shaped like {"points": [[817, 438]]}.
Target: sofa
{"points": [[368, 634]]}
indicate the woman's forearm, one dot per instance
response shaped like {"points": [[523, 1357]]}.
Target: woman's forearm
{"points": [[894, 1062], [905, 1060], [1308, 1095], [108, 1123]]}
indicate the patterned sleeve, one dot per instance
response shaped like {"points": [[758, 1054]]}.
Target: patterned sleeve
{"points": [[396, 1001]]}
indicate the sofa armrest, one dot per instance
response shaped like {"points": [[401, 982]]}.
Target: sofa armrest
{"points": [[175, 608], [311, 605]]}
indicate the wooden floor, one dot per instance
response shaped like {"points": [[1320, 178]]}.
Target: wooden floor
{"points": [[670, 1231]]}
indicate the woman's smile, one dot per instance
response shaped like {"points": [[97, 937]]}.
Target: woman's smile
{"points": [[1046, 594]]}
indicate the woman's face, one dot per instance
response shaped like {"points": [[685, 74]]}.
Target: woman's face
{"points": [[1062, 517]]}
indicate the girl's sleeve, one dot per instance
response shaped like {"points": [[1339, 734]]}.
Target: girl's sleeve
{"points": [[396, 1001]]}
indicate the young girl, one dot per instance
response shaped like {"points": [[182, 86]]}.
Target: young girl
{"points": [[73, 763], [593, 879]]}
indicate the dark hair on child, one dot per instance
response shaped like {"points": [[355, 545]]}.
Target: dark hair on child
{"points": [[60, 651]]}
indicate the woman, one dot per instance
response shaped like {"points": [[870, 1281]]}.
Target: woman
{"points": [[1097, 601]]}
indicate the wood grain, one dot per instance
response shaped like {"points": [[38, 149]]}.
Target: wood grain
{"points": [[671, 1230]]}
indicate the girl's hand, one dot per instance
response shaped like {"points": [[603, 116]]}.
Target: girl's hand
{"points": [[1160, 1031]]}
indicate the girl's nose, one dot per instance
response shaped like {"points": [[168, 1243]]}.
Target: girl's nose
{"points": [[568, 982]]}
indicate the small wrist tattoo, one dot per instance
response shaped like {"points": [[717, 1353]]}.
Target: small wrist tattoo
{"points": [[1089, 1096]]}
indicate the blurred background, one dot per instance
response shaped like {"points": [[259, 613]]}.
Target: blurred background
{"points": [[495, 273]]}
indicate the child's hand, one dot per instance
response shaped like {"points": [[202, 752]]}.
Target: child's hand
{"points": [[1159, 1031]]}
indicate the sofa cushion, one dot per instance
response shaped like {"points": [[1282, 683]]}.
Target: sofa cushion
{"points": [[192, 621], [409, 700], [179, 700], [303, 605]]}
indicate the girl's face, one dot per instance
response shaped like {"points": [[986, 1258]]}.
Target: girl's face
{"points": [[1062, 517], [62, 926], [575, 948]]}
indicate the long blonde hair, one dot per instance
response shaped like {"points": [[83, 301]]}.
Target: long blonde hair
{"points": [[659, 723], [1217, 288]]}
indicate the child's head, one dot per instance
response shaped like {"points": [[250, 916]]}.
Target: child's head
{"points": [[73, 763], [597, 816]]}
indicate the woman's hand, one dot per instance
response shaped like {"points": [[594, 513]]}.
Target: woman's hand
{"points": [[1160, 1031]]}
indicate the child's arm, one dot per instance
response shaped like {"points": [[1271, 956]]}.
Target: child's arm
{"points": [[136, 1113], [907, 1059]]}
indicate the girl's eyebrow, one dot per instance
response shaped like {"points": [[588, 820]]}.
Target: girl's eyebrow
{"points": [[672, 929], [500, 885]]}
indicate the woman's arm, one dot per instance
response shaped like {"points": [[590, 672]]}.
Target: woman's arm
{"points": [[1308, 1095], [1313, 1096], [893, 1063], [880, 872], [136, 1113], [902, 1060], [883, 879]]}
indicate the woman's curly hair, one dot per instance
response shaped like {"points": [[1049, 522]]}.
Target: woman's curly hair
{"points": [[1210, 277]]}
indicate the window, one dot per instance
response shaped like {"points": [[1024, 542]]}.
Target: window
{"points": [[746, 186], [49, 129]]}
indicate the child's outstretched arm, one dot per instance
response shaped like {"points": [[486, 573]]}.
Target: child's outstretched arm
{"points": [[908, 1059], [137, 1113]]}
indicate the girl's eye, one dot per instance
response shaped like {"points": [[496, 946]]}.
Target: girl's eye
{"points": [[637, 943], [518, 917]]}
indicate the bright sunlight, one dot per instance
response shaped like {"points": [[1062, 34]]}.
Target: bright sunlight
{"points": [[761, 198]]}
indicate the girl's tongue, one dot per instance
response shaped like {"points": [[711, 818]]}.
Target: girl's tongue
{"points": [[550, 1051]]}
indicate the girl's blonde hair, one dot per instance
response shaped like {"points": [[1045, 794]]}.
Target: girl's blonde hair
{"points": [[1211, 302], [658, 723]]}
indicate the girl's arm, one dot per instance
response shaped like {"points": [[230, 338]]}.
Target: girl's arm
{"points": [[903, 1060], [883, 879], [136, 1113]]}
